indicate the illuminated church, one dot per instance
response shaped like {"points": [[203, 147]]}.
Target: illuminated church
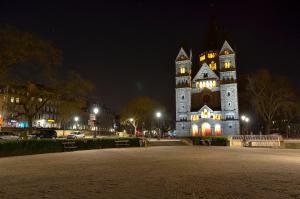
{"points": [[206, 94]]}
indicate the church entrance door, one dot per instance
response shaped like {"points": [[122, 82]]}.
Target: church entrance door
{"points": [[206, 129]]}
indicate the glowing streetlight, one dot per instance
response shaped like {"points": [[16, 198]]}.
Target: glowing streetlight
{"points": [[246, 120], [243, 117], [158, 114], [76, 118], [96, 110], [131, 119]]}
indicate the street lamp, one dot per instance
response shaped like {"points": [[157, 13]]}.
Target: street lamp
{"points": [[95, 110], [246, 120], [158, 116], [131, 120], [76, 119]]}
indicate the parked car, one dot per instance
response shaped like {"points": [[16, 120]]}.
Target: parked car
{"points": [[44, 134], [75, 135], [8, 136]]}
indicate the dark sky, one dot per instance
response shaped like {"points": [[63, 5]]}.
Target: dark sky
{"points": [[128, 49]]}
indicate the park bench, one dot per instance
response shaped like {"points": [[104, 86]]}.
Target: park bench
{"points": [[122, 143], [69, 146]]}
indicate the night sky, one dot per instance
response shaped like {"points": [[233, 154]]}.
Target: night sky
{"points": [[128, 49]]}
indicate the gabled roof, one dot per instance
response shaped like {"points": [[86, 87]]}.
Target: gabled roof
{"points": [[205, 69], [205, 107], [182, 55], [226, 46]]}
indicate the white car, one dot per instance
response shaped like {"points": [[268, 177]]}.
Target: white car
{"points": [[8, 136], [75, 135]]}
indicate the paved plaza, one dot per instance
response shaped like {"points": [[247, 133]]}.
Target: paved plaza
{"points": [[154, 172]]}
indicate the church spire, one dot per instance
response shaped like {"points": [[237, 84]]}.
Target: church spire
{"points": [[182, 55]]}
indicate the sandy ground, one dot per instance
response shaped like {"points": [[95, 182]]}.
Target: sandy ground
{"points": [[154, 172]]}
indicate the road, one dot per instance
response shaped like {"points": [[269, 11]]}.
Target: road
{"points": [[154, 172]]}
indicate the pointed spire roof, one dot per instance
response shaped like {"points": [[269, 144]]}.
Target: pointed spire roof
{"points": [[226, 46], [182, 55]]}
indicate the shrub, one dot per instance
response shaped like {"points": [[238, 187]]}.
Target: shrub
{"points": [[215, 140], [27, 147]]}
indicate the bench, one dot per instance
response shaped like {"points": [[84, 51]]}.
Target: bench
{"points": [[69, 146], [122, 143]]}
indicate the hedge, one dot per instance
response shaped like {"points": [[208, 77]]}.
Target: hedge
{"points": [[27, 147], [215, 140]]}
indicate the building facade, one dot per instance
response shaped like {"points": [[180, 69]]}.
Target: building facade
{"points": [[11, 98], [207, 96]]}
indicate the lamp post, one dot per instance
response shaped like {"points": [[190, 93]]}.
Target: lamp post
{"points": [[95, 110], [131, 120], [76, 119], [158, 116], [246, 120]]}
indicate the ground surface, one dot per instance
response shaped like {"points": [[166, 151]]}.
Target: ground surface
{"points": [[154, 172]]}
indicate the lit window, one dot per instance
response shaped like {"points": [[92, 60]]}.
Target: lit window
{"points": [[211, 55], [195, 117], [12, 99], [182, 70], [205, 114], [201, 85], [226, 52], [17, 100], [217, 117], [227, 64], [213, 65], [214, 83], [210, 84], [202, 58]]}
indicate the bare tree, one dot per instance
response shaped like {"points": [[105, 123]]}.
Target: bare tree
{"points": [[269, 94], [139, 111]]}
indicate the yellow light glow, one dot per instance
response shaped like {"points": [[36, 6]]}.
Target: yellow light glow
{"points": [[182, 70], [194, 117], [206, 84], [227, 64], [202, 58], [213, 65], [205, 114], [226, 52], [211, 55], [214, 83], [195, 130], [51, 121]]}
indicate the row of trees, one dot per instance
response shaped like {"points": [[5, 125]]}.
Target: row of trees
{"points": [[140, 113], [273, 98], [33, 66]]}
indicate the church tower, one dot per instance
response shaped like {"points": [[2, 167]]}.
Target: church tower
{"points": [[228, 91], [183, 64]]}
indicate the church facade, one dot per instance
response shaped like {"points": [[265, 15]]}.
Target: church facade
{"points": [[207, 95]]}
